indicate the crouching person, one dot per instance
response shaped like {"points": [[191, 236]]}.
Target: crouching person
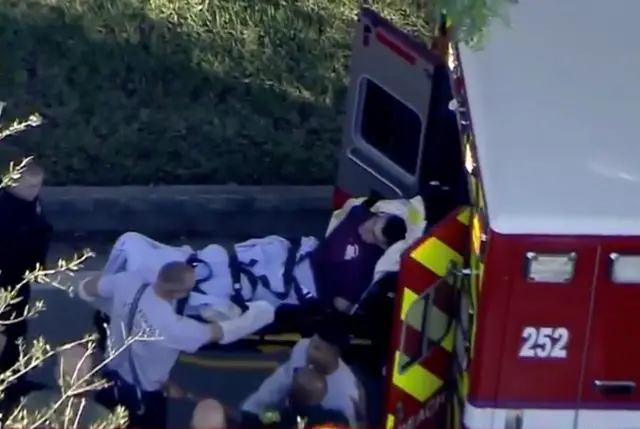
{"points": [[322, 352], [146, 336]]}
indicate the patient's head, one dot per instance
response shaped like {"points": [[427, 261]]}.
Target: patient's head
{"points": [[383, 230], [175, 280], [208, 414], [309, 387]]}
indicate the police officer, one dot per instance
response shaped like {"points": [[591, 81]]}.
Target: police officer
{"points": [[139, 372], [25, 236]]}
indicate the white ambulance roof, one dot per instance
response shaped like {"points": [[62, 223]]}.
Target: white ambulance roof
{"points": [[555, 103]]}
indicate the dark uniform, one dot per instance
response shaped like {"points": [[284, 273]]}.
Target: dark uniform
{"points": [[288, 418], [25, 236]]}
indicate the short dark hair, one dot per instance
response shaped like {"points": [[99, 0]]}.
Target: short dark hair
{"points": [[394, 230], [174, 272]]}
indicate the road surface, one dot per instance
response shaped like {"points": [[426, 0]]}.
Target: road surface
{"points": [[226, 376]]}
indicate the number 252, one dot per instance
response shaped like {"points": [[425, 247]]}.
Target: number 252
{"points": [[544, 343]]}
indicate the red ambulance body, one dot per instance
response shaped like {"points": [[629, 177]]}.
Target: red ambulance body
{"points": [[519, 307]]}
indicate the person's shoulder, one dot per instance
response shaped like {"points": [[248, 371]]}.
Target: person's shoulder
{"points": [[300, 348], [129, 277], [347, 369], [303, 343], [124, 281]]}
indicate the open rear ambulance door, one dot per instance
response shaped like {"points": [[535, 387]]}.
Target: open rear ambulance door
{"points": [[388, 109], [420, 387], [401, 140]]}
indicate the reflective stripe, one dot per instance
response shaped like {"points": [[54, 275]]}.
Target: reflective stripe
{"points": [[436, 255], [391, 420], [457, 415], [414, 216], [408, 299], [478, 228], [415, 380], [464, 384], [464, 216], [449, 340]]}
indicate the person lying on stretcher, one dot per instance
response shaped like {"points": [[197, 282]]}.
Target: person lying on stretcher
{"points": [[337, 270]]}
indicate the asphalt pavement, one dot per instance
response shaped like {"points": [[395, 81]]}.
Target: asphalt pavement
{"points": [[229, 377]]}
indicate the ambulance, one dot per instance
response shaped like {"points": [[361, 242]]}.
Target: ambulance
{"points": [[519, 306]]}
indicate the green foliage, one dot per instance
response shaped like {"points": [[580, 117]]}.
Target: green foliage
{"points": [[182, 91], [470, 19]]}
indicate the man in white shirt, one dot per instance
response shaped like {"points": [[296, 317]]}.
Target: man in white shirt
{"points": [[322, 352], [140, 372]]}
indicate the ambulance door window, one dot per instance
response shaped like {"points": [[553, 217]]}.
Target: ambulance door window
{"points": [[390, 85], [390, 126], [426, 324]]}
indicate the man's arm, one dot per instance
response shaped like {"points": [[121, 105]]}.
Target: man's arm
{"points": [[274, 389], [98, 287], [188, 335], [271, 391]]}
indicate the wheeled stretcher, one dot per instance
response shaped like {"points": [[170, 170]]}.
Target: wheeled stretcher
{"points": [[297, 309]]}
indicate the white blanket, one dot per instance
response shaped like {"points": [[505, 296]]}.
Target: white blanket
{"points": [[136, 252]]}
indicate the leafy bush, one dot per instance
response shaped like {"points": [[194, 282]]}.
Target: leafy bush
{"points": [[182, 91]]}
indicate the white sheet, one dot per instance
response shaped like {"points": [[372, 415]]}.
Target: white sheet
{"points": [[139, 253]]}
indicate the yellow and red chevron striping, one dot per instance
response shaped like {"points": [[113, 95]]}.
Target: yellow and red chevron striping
{"points": [[425, 264]]}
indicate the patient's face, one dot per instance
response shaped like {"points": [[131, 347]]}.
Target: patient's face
{"points": [[371, 231]]}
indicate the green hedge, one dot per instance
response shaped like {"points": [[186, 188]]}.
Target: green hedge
{"points": [[181, 91]]}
